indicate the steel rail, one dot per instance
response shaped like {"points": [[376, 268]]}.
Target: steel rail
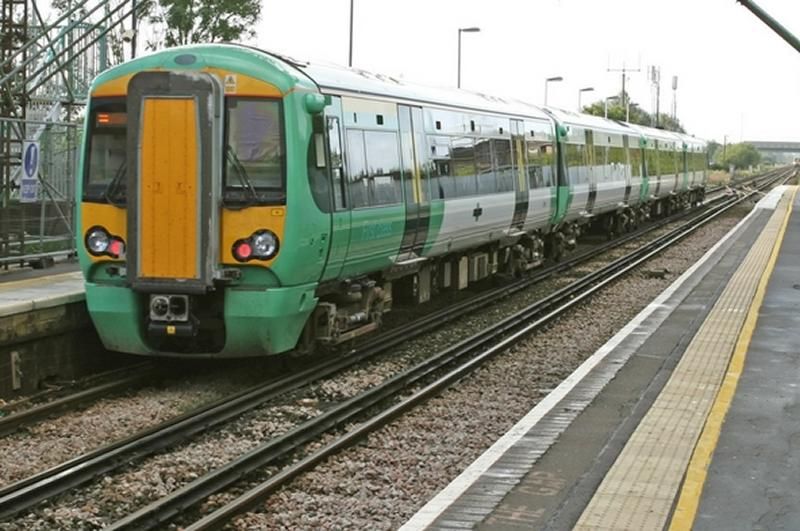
{"points": [[468, 353]]}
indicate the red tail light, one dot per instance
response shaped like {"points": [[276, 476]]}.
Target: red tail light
{"points": [[242, 250], [116, 248]]}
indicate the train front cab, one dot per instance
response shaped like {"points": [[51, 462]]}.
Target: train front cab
{"points": [[181, 242]]}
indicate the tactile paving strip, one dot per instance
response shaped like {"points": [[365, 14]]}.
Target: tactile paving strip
{"points": [[639, 490]]}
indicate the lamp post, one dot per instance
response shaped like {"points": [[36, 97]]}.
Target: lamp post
{"points": [[546, 82], [580, 93], [460, 31], [350, 56]]}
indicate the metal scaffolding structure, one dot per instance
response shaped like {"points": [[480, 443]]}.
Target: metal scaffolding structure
{"points": [[45, 72]]}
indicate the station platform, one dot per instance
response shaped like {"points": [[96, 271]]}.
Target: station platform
{"points": [[46, 291], [45, 330], [688, 418]]}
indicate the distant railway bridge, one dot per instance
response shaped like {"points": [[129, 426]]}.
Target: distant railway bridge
{"points": [[775, 147]]}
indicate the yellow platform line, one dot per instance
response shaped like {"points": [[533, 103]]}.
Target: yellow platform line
{"points": [[692, 490]]}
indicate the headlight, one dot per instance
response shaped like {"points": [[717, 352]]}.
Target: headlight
{"points": [[261, 245], [100, 243], [265, 244], [97, 239]]}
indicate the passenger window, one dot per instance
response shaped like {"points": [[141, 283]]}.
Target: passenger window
{"points": [[652, 162], [578, 171], [383, 167], [357, 169], [487, 182], [504, 165], [636, 162], [601, 163], [440, 162], [335, 153], [616, 163], [373, 168], [463, 152], [540, 164]]}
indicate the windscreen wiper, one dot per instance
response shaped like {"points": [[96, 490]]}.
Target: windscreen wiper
{"points": [[114, 186], [241, 172]]}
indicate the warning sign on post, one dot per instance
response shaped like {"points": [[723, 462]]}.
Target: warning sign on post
{"points": [[29, 189]]}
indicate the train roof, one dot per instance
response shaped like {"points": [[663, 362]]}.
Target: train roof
{"points": [[338, 79], [590, 121], [335, 79]]}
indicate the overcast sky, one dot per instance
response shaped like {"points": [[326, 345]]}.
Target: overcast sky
{"points": [[736, 77]]}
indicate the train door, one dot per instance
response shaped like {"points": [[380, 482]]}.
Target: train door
{"points": [[173, 219], [653, 173], [688, 180], [340, 213], [592, 172], [415, 183], [676, 167], [519, 151], [628, 176], [374, 184]]}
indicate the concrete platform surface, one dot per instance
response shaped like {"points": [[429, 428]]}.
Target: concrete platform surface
{"points": [[43, 292], [752, 481]]}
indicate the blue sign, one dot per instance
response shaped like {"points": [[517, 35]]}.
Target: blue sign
{"points": [[30, 159], [29, 184], [28, 190]]}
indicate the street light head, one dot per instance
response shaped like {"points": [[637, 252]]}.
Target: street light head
{"points": [[557, 78], [472, 29], [587, 89]]}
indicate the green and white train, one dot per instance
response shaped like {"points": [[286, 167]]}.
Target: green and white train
{"points": [[239, 203]]}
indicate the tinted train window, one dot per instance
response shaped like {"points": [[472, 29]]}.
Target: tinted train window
{"points": [[383, 162], [440, 165], [576, 163], [540, 164], [667, 162], [373, 167], [462, 180], [254, 148], [504, 165], [487, 181], [602, 172], [636, 162], [105, 167], [651, 159]]}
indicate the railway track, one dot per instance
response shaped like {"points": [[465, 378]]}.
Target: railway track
{"points": [[19, 496], [11, 421], [112, 382]]}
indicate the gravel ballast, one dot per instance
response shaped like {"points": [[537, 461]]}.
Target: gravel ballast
{"points": [[383, 481]]}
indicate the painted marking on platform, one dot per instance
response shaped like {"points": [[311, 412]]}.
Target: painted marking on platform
{"points": [[692, 490], [452, 492]]}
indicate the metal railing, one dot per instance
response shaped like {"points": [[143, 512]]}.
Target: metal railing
{"points": [[44, 82], [40, 225]]}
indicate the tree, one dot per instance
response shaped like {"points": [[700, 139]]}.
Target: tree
{"points": [[740, 155], [199, 21], [637, 115]]}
